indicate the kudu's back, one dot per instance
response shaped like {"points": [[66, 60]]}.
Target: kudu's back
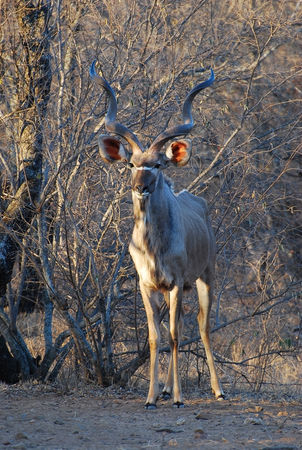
{"points": [[198, 236]]}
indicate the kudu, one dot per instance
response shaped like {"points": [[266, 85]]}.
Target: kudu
{"points": [[172, 244]]}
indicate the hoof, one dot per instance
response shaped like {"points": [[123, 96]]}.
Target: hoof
{"points": [[150, 406], [178, 405], [165, 395], [220, 397]]}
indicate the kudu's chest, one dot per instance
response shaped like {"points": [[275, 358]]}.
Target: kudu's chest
{"points": [[150, 249]]}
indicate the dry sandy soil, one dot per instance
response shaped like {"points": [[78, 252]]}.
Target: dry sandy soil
{"points": [[44, 418]]}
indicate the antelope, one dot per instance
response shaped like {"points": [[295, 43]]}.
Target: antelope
{"points": [[173, 243]]}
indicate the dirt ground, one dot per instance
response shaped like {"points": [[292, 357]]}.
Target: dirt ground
{"points": [[45, 418]]}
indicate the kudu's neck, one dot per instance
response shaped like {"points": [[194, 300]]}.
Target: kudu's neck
{"points": [[154, 211]]}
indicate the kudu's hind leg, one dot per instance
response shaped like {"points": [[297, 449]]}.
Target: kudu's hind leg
{"points": [[167, 390], [205, 301]]}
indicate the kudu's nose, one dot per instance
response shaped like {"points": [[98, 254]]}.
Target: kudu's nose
{"points": [[143, 183], [141, 189]]}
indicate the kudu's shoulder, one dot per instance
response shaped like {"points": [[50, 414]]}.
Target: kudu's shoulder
{"points": [[189, 201]]}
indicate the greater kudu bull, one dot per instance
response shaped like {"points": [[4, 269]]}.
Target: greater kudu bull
{"points": [[172, 243]]}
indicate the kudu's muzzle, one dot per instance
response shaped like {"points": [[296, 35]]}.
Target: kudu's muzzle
{"points": [[143, 182]]}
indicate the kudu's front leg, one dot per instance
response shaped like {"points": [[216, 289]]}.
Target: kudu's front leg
{"points": [[176, 325], [168, 388], [151, 303]]}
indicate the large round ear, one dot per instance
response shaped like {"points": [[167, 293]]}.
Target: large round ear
{"points": [[111, 149], [179, 152]]}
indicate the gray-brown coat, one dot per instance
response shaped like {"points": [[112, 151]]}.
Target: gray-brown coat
{"points": [[172, 243]]}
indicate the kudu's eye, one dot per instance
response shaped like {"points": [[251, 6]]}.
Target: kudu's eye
{"points": [[157, 166], [130, 165]]}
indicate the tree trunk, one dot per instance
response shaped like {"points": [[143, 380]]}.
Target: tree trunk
{"points": [[33, 99], [34, 82]]}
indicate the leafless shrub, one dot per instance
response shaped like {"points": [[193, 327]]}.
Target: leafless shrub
{"points": [[247, 164]]}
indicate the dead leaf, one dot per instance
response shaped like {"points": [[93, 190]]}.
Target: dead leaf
{"points": [[19, 436], [253, 421], [199, 434], [181, 421], [201, 416], [282, 413], [173, 443]]}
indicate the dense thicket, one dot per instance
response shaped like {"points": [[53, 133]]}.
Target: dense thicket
{"points": [[66, 218]]}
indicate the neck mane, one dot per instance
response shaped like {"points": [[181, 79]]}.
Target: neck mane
{"points": [[152, 215]]}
